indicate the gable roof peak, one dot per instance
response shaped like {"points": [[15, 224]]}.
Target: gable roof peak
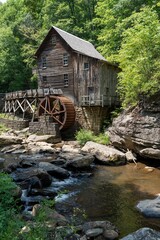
{"points": [[79, 45]]}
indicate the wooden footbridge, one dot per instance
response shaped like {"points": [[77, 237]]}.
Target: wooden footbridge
{"points": [[33, 103]]}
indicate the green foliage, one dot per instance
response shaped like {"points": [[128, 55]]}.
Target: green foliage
{"points": [[102, 139], [83, 136], [10, 221], [122, 30], [139, 57], [24, 24], [129, 34], [3, 128], [112, 20], [115, 113]]}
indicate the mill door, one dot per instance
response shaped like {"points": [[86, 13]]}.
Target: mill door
{"points": [[91, 95]]}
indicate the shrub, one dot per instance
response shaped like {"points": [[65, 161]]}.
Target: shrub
{"points": [[84, 136], [10, 223], [102, 138]]}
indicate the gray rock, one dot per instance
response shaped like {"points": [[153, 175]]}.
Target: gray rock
{"points": [[6, 139], [138, 129], [104, 154], [150, 208], [40, 147], [82, 161], [143, 233], [58, 162], [26, 174], [150, 153], [43, 192], [36, 157], [43, 138], [68, 155], [83, 237], [110, 234], [18, 148], [70, 148], [105, 225], [54, 170], [94, 232]]}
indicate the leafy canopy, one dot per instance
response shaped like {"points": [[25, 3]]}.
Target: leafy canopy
{"points": [[139, 57]]}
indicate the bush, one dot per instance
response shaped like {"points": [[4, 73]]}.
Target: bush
{"points": [[84, 136], [10, 223], [102, 139]]}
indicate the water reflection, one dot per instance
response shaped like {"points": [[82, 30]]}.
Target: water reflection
{"points": [[112, 194]]}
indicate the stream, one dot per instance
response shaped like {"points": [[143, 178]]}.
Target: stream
{"points": [[112, 193], [109, 193]]}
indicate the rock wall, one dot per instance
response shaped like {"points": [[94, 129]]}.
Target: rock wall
{"points": [[138, 129], [14, 124], [45, 126]]}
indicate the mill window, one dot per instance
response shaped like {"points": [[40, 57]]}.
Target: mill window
{"points": [[66, 80], [54, 40], [44, 78], [65, 59], [44, 62], [86, 66]]}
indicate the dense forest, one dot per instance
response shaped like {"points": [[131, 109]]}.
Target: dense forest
{"points": [[126, 32]]}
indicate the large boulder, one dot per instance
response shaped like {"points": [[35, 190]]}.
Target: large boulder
{"points": [[15, 148], [105, 154], [143, 233], [138, 129], [8, 139], [54, 170], [150, 207], [43, 138], [80, 161], [70, 148], [40, 147], [27, 175]]}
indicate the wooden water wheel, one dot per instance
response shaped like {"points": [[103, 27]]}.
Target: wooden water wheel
{"points": [[60, 108]]}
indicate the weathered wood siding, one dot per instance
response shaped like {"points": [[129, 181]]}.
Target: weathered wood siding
{"points": [[86, 80], [87, 76], [52, 75], [108, 83]]}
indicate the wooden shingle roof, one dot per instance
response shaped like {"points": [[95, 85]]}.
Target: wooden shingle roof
{"points": [[77, 44]]}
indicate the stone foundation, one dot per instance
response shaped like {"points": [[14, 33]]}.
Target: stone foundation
{"points": [[91, 118], [14, 124], [45, 126]]}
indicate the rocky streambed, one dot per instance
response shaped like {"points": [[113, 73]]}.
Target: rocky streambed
{"points": [[95, 181]]}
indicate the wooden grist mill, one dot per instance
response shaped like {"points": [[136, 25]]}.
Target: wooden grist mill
{"points": [[33, 103]]}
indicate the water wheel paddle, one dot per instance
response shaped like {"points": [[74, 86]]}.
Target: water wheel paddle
{"points": [[60, 108]]}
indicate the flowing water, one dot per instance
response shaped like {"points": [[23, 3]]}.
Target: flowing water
{"points": [[110, 193]]}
